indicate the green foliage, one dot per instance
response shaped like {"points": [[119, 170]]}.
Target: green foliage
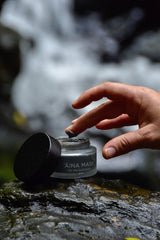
{"points": [[6, 166]]}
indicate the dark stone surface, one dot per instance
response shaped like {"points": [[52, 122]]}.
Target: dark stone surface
{"points": [[9, 60], [1, 4], [92, 208]]}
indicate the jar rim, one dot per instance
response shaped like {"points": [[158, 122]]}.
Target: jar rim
{"points": [[73, 143]]}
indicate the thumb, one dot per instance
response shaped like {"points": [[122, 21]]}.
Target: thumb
{"points": [[123, 144]]}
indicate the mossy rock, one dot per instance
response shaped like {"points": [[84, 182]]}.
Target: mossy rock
{"points": [[92, 208]]}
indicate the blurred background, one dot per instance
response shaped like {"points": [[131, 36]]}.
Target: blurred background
{"points": [[53, 50]]}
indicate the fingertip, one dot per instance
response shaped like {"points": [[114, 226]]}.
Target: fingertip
{"points": [[68, 129], [80, 103], [71, 134], [101, 125], [109, 152], [71, 131], [98, 126], [74, 104]]}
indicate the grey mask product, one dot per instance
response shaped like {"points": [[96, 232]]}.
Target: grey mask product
{"points": [[42, 156], [71, 134]]}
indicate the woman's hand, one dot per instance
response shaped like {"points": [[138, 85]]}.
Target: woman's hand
{"points": [[125, 106]]}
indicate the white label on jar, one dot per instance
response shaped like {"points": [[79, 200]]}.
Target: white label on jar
{"points": [[76, 164]]}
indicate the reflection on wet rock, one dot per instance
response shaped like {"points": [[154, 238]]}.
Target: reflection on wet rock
{"points": [[94, 208]]}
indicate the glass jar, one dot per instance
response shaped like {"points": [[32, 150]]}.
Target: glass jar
{"points": [[77, 160]]}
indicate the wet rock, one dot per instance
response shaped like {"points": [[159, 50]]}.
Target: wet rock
{"points": [[9, 58], [60, 54], [92, 208], [10, 64], [1, 4], [9, 69]]}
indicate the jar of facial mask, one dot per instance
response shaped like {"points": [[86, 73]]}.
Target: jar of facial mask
{"points": [[78, 159], [42, 156]]}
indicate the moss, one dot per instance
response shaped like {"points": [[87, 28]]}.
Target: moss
{"points": [[85, 235], [69, 229], [6, 163]]}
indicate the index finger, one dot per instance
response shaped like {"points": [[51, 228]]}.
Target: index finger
{"points": [[111, 90]]}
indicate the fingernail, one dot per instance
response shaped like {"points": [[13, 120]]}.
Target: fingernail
{"points": [[71, 134], [110, 152]]}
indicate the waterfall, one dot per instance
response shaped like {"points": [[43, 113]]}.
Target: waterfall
{"points": [[55, 68]]}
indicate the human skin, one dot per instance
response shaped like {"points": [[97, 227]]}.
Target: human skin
{"points": [[126, 105]]}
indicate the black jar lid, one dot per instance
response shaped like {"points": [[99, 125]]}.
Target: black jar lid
{"points": [[37, 158]]}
